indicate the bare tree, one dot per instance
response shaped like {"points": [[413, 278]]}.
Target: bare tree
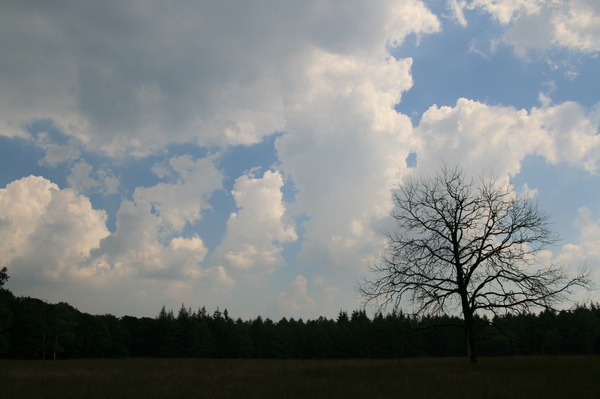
{"points": [[469, 245]]}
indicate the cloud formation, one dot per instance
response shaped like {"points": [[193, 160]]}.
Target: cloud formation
{"points": [[45, 232], [53, 241], [157, 83], [256, 232], [345, 149], [118, 78], [588, 249], [181, 201], [296, 301], [498, 138], [158, 213], [84, 179], [538, 25]]}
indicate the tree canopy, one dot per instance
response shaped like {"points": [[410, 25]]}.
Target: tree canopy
{"points": [[470, 245], [3, 276]]}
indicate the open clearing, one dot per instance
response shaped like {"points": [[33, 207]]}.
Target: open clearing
{"points": [[507, 377]]}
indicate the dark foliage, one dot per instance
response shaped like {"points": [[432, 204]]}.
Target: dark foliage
{"points": [[34, 329]]}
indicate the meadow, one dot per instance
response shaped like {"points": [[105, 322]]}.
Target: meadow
{"points": [[501, 377]]}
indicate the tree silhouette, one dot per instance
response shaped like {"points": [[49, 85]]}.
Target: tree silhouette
{"points": [[3, 276], [469, 245]]}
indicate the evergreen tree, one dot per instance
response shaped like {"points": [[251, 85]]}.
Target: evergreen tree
{"points": [[3, 276]]}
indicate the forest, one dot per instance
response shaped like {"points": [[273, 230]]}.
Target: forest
{"points": [[34, 329]]}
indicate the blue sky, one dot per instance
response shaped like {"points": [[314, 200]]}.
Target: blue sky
{"points": [[242, 154]]}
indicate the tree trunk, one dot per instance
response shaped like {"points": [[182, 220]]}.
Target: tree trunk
{"points": [[55, 345], [467, 314], [469, 332], [44, 346], [470, 340]]}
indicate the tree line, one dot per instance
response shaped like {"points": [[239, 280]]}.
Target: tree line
{"points": [[34, 329]]}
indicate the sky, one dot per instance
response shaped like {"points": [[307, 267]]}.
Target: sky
{"points": [[243, 154]]}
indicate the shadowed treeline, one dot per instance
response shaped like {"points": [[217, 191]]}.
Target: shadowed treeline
{"points": [[33, 329]]}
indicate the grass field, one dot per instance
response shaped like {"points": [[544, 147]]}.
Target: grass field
{"points": [[510, 377]]}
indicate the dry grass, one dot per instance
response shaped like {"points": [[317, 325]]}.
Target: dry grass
{"points": [[511, 377]]}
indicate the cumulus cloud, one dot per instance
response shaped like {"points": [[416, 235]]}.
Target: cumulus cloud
{"points": [[579, 26], [478, 136], [131, 79], [57, 246], [56, 154], [345, 149], [215, 73], [147, 261], [181, 201], [85, 180], [585, 252], [588, 249], [506, 11], [46, 232], [572, 135], [255, 232], [155, 215], [542, 24], [296, 299]]}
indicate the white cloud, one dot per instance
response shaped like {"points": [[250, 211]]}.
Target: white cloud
{"points": [[134, 250], [530, 34], [157, 214], [187, 254], [588, 249], [46, 232], [56, 154], [457, 9], [109, 182], [80, 178], [142, 268], [542, 24], [58, 247], [130, 79], [506, 11], [182, 200], [478, 136], [585, 252], [296, 300], [85, 180], [345, 149], [572, 135], [255, 233], [579, 26], [134, 78]]}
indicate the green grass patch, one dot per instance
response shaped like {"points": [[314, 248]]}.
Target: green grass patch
{"points": [[507, 377]]}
